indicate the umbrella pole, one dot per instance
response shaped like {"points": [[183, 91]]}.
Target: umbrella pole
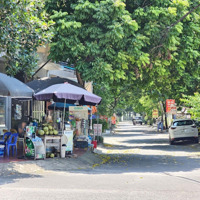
{"points": [[63, 117], [54, 112], [97, 122], [90, 119]]}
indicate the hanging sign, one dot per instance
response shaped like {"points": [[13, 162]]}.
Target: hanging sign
{"points": [[80, 112], [97, 129], [155, 113], [169, 104], [69, 145]]}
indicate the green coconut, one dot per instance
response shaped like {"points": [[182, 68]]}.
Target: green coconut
{"points": [[41, 132]]}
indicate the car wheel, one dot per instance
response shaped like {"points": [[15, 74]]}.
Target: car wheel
{"points": [[171, 142]]}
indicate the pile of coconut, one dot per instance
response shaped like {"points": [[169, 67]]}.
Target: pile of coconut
{"points": [[47, 129]]}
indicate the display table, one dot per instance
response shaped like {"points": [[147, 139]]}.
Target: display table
{"points": [[52, 143]]}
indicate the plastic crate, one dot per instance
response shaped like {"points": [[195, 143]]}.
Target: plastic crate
{"points": [[81, 144]]}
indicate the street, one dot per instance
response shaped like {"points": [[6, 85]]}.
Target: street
{"points": [[137, 164]]}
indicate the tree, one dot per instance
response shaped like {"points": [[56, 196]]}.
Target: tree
{"points": [[23, 28], [192, 102], [114, 98], [171, 30], [98, 37], [151, 46]]}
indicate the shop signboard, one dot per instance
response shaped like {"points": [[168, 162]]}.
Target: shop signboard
{"points": [[173, 109], [97, 129], [155, 113], [69, 135], [170, 105], [80, 112]]}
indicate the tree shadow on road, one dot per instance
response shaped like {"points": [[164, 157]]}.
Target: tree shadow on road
{"points": [[136, 163], [133, 131], [14, 176], [161, 147]]}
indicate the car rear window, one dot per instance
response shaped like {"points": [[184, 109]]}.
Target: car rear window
{"points": [[183, 123]]}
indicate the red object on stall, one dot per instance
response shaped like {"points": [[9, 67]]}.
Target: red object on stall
{"points": [[94, 142]]}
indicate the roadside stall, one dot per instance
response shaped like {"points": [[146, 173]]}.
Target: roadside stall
{"points": [[67, 93], [78, 116], [11, 89]]}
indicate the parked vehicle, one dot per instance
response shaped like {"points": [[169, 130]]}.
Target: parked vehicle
{"points": [[137, 120], [183, 129], [198, 126]]}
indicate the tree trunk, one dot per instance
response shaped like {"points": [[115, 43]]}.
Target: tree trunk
{"points": [[80, 80], [162, 111], [164, 108]]}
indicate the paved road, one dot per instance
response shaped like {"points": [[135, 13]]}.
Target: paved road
{"points": [[137, 164]]}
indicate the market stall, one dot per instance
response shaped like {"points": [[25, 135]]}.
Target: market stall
{"points": [[78, 117], [11, 89], [68, 93]]}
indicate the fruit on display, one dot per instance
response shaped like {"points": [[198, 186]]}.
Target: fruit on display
{"points": [[51, 132], [41, 132], [52, 155], [48, 154], [45, 129], [48, 129]]}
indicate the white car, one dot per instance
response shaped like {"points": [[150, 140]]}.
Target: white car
{"points": [[183, 129]]}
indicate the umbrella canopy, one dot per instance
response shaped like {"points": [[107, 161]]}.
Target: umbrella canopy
{"points": [[68, 93], [14, 88], [40, 84], [60, 106]]}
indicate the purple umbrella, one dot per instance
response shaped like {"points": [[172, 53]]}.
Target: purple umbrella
{"points": [[68, 93]]}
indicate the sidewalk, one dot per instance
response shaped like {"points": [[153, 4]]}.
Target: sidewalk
{"points": [[83, 159]]}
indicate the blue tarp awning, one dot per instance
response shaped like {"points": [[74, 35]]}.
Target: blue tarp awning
{"points": [[60, 106]]}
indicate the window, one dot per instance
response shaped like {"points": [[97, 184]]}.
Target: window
{"points": [[38, 110], [2, 111], [183, 123]]}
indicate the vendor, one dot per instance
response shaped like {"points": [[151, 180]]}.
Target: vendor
{"points": [[21, 129]]}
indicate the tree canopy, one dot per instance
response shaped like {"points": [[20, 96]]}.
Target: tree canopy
{"points": [[24, 27], [136, 48], [151, 45], [192, 103], [98, 37]]}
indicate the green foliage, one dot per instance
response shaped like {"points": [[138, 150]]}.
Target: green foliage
{"points": [[193, 103], [173, 47], [98, 37], [23, 28], [131, 50]]}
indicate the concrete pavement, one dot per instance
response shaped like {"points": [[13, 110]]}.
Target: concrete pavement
{"points": [[136, 163]]}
